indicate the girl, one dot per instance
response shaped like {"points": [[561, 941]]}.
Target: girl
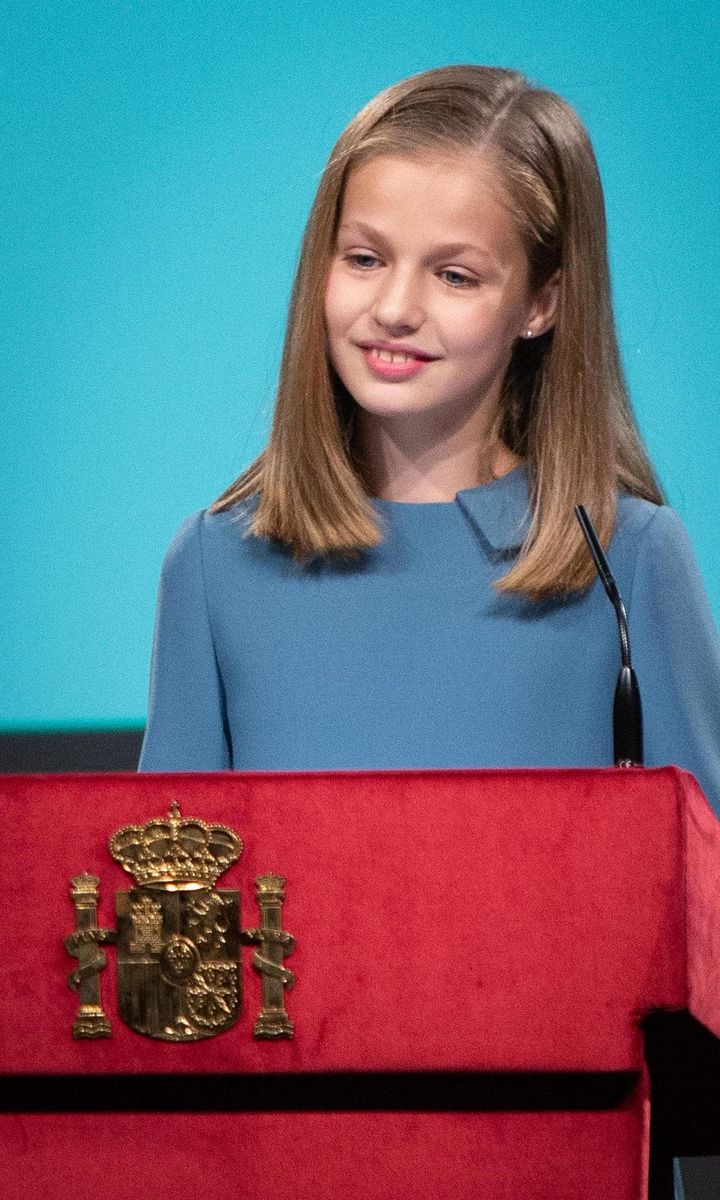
{"points": [[399, 579]]}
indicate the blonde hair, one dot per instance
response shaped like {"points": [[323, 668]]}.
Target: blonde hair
{"points": [[564, 407]]}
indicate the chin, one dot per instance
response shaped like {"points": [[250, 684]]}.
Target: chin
{"points": [[393, 405]]}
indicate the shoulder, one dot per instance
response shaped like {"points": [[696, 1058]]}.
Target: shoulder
{"points": [[203, 530], [636, 517], [644, 528], [185, 543], [215, 550], [652, 556], [662, 573]]}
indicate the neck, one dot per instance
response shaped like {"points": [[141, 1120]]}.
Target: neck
{"points": [[404, 462]]}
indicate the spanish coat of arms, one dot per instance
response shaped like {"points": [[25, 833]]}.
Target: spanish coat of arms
{"points": [[178, 937]]}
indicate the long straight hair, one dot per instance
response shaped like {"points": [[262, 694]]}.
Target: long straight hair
{"points": [[564, 405]]}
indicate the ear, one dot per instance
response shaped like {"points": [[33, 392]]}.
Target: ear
{"points": [[542, 308]]}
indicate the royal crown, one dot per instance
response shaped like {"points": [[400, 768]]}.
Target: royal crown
{"points": [[175, 852]]}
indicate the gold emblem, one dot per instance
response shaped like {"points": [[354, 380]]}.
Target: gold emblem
{"points": [[178, 937]]}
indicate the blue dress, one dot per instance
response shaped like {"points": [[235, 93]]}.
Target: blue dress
{"points": [[408, 657]]}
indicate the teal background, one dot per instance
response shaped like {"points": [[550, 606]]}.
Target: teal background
{"points": [[159, 161]]}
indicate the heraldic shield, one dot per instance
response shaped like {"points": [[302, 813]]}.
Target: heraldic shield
{"points": [[177, 962], [178, 937]]}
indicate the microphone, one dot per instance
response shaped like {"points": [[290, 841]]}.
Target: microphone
{"points": [[627, 707]]}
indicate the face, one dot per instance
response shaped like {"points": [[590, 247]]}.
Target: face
{"points": [[428, 288]]}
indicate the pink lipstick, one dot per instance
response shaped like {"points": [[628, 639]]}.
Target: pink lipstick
{"points": [[394, 370]]}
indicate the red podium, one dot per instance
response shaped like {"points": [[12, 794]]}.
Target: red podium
{"points": [[482, 942]]}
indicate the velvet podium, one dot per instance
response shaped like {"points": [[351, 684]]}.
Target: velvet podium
{"points": [[474, 951]]}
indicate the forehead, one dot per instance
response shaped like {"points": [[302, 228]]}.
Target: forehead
{"points": [[435, 198]]}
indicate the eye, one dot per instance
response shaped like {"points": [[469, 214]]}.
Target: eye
{"points": [[457, 280], [363, 261]]}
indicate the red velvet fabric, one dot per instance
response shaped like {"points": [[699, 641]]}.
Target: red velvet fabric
{"points": [[445, 920], [327, 1156], [702, 888], [519, 920]]}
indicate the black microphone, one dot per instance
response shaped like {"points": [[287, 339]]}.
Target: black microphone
{"points": [[627, 707]]}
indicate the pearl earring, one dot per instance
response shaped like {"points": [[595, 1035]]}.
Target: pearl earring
{"points": [[528, 333]]}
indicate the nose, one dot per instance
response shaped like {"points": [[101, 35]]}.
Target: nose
{"points": [[398, 302]]}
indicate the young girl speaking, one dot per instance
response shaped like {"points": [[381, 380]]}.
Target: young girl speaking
{"points": [[399, 579]]}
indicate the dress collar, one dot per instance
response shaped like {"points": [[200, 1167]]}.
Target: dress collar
{"points": [[499, 511]]}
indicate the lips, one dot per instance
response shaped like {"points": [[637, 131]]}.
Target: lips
{"points": [[395, 356], [386, 351], [394, 365]]}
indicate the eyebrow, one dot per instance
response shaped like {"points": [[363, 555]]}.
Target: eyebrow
{"points": [[447, 247]]}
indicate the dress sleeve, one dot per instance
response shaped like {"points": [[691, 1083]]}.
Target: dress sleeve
{"points": [[676, 654], [186, 729]]}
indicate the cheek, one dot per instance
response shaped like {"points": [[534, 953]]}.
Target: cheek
{"points": [[482, 326], [466, 332], [340, 303]]}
